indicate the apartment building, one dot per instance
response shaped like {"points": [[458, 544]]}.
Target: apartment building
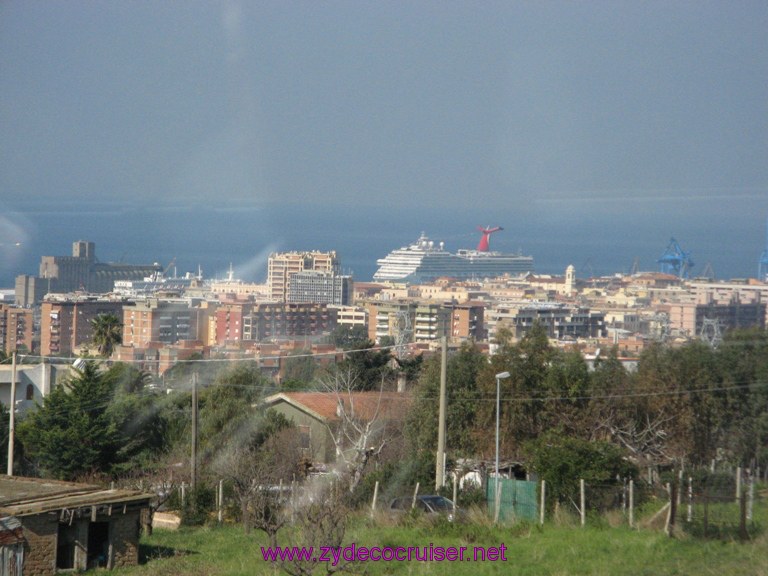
{"points": [[560, 320], [321, 287], [16, 329], [166, 321], [350, 315], [281, 320], [281, 266], [228, 318], [693, 320], [424, 321], [65, 321]]}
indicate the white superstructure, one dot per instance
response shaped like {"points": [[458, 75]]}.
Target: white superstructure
{"points": [[424, 261]]}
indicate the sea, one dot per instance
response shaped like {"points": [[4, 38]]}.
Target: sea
{"points": [[195, 237]]}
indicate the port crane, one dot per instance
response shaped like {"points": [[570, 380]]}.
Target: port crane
{"points": [[675, 260]]}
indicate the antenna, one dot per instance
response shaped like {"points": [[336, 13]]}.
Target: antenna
{"points": [[762, 267]]}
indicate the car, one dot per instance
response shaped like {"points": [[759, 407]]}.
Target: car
{"points": [[433, 504]]}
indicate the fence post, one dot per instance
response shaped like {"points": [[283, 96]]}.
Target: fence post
{"points": [[543, 501], [690, 499], [220, 500], [415, 493], [751, 500], [183, 494], [583, 502], [631, 503], [375, 496], [743, 535], [623, 495], [738, 484], [672, 510], [455, 490], [706, 510]]}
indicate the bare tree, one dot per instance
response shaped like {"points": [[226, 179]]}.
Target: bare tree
{"points": [[319, 523], [162, 482], [645, 436], [257, 472], [362, 428]]}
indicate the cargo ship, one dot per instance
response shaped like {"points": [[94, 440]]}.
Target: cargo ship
{"points": [[424, 261]]}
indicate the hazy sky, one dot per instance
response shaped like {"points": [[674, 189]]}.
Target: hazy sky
{"points": [[548, 109]]}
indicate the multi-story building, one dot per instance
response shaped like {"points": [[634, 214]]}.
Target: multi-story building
{"points": [[350, 315], [430, 322], [391, 318], [16, 329], [409, 321], [228, 319], [321, 287], [694, 320], [744, 292], [560, 320], [79, 272], [279, 320], [281, 266], [467, 321], [65, 321], [166, 321]]}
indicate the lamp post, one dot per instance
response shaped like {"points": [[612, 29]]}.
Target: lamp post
{"points": [[499, 377]]}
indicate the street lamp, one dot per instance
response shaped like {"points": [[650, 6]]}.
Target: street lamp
{"points": [[499, 377]]}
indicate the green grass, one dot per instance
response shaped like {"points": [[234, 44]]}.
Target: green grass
{"points": [[531, 551]]}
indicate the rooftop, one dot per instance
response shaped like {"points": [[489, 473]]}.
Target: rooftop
{"points": [[20, 496]]}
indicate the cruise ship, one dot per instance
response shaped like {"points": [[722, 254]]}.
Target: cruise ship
{"points": [[424, 261]]}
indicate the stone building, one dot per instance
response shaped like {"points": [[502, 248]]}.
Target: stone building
{"points": [[70, 527]]}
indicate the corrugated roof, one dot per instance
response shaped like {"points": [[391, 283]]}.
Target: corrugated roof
{"points": [[20, 496]]}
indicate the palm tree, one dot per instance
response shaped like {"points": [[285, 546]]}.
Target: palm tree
{"points": [[107, 333]]}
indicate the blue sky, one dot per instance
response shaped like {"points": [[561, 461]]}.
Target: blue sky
{"points": [[544, 111]]}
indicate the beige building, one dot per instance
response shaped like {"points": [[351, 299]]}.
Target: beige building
{"points": [[693, 320], [166, 321], [350, 315], [425, 321], [281, 266]]}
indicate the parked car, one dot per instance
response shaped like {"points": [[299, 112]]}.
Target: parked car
{"points": [[427, 504]]}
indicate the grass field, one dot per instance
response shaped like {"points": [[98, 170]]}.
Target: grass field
{"points": [[557, 549]]}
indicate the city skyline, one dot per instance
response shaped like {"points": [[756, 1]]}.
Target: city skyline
{"points": [[600, 122]]}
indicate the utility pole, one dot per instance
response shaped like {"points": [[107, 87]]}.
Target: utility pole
{"points": [[440, 460], [193, 481], [12, 418]]}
